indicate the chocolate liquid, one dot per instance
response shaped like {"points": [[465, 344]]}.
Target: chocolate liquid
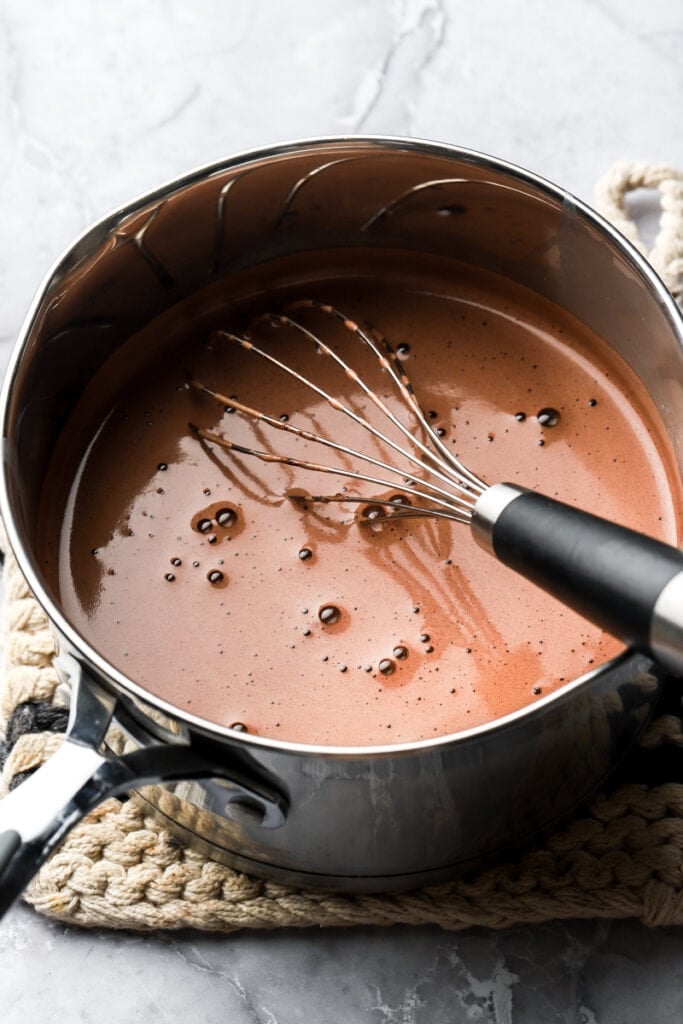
{"points": [[189, 569]]}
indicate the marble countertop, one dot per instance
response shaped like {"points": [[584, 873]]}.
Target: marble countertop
{"points": [[101, 102]]}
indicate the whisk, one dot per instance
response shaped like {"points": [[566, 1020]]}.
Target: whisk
{"points": [[627, 583]]}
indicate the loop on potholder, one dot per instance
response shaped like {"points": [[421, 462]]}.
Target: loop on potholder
{"points": [[611, 192]]}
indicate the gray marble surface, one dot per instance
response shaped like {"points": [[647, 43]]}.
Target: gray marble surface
{"points": [[100, 102]]}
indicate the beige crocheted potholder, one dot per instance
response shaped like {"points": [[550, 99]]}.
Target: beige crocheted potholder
{"points": [[118, 868]]}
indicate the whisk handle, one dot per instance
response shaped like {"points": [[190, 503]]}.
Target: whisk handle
{"points": [[625, 582]]}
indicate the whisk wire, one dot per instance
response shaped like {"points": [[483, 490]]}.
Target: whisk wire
{"points": [[461, 515], [465, 497], [402, 510], [458, 489], [308, 435], [390, 362], [370, 393]]}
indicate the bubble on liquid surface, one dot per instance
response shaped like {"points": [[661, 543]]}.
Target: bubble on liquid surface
{"points": [[329, 614], [400, 652], [169, 577], [226, 517], [217, 579], [220, 515], [373, 512], [305, 554], [387, 666], [548, 417], [374, 517]]}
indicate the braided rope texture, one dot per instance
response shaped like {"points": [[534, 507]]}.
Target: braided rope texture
{"points": [[118, 868], [612, 192]]}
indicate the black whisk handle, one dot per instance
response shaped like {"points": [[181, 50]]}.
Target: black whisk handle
{"points": [[628, 584]]}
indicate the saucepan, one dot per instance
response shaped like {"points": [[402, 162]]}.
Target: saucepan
{"points": [[351, 819]]}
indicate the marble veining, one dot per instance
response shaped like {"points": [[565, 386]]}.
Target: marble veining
{"points": [[578, 973], [101, 102]]}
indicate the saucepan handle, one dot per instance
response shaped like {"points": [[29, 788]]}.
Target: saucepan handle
{"points": [[37, 815]]}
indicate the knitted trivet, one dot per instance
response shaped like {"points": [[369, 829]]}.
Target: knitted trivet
{"points": [[622, 858]]}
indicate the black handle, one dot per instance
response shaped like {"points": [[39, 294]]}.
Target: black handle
{"points": [[10, 842], [612, 575]]}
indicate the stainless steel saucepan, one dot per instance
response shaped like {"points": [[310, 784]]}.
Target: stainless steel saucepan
{"points": [[350, 819]]}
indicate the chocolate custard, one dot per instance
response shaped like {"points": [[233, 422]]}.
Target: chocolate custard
{"points": [[190, 569]]}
